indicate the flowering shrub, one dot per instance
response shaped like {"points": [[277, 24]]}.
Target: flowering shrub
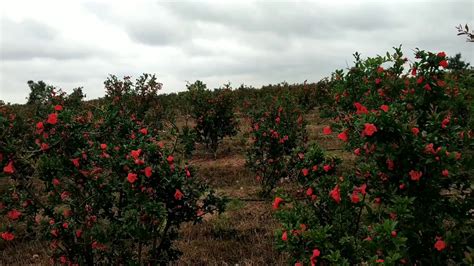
{"points": [[409, 198], [98, 185], [213, 113], [275, 133]]}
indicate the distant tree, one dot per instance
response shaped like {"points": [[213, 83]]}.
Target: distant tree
{"points": [[40, 92], [465, 31], [456, 63]]}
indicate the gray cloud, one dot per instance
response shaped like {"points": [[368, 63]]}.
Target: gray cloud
{"points": [[252, 42]]}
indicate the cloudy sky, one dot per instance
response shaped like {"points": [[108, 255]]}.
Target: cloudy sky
{"points": [[78, 43]]}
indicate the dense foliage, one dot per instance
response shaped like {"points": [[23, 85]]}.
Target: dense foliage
{"points": [[97, 182], [409, 198]]}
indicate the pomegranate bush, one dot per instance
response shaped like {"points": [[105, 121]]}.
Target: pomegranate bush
{"points": [[275, 133], [213, 112], [98, 184], [409, 197]]}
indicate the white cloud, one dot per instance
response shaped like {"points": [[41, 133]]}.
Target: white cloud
{"points": [[78, 43]]}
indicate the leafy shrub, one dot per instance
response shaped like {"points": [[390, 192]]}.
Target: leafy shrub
{"points": [[99, 186], [213, 113], [409, 198], [275, 133]]}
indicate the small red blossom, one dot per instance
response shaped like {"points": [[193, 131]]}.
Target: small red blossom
{"points": [[355, 197], [78, 233], [58, 108], [441, 54], [305, 171], [440, 244], [343, 136], [14, 214], [148, 171], [443, 63], [75, 161], [170, 159], [369, 129], [9, 169], [103, 146], [277, 202], [427, 87], [413, 71], [65, 225], [65, 195], [56, 182], [327, 130], [316, 254], [445, 172], [39, 125], [335, 194], [385, 107], [390, 164], [360, 108], [415, 131], [277, 120], [445, 122], [357, 151], [132, 178], [378, 81], [309, 191], [178, 195], [7, 236], [144, 131], [393, 233], [379, 261], [415, 175], [136, 153], [284, 236], [52, 119]]}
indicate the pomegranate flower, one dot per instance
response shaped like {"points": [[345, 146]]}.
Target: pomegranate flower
{"points": [[277, 202]]}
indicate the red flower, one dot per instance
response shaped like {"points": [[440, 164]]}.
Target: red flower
{"points": [[309, 191], [343, 136], [378, 81], [362, 189], [284, 236], [440, 244], [441, 54], [78, 233], [52, 119], [148, 171], [360, 108], [316, 254], [445, 122], [385, 107], [9, 169], [419, 80], [415, 131], [7, 236], [54, 232], [369, 129], [355, 197], [298, 263], [144, 131], [56, 182], [427, 87], [132, 178], [58, 108], [413, 71], [327, 130], [276, 202], [39, 125], [277, 120], [380, 69], [445, 173], [75, 161], [103, 146], [136, 153], [14, 214], [326, 167], [393, 233], [305, 171], [65, 225], [65, 195], [335, 194], [170, 159], [379, 261], [44, 146], [443, 63], [315, 168], [415, 175], [357, 151], [178, 195]]}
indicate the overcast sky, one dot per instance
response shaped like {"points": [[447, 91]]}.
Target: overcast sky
{"points": [[78, 43]]}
